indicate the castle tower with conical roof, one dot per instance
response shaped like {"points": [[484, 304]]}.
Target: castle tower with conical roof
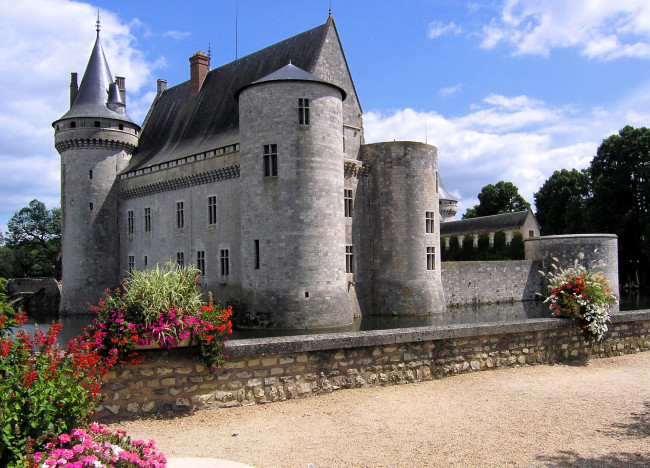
{"points": [[95, 139]]}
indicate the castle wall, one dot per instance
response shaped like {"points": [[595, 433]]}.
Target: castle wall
{"points": [[296, 216], [400, 190]]}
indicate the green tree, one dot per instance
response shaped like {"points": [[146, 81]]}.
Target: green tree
{"points": [[34, 237], [502, 197], [562, 201], [620, 185]]}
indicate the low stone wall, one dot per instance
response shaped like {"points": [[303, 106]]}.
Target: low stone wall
{"points": [[488, 282], [275, 369]]}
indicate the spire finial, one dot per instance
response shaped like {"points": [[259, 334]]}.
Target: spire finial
{"points": [[97, 24], [330, 13]]}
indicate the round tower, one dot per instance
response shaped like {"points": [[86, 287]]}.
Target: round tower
{"points": [[95, 139], [293, 244]]}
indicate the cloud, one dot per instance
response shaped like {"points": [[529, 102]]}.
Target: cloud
{"points": [[437, 28], [600, 30], [451, 90], [178, 35], [42, 41], [517, 139]]}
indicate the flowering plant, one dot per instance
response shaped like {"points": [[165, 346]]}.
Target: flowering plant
{"points": [[99, 447], [583, 296], [149, 309], [45, 390]]}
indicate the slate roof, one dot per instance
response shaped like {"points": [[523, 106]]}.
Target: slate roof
{"points": [[495, 223], [179, 124], [443, 194], [93, 94]]}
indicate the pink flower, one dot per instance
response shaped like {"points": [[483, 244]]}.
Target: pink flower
{"points": [[64, 438]]}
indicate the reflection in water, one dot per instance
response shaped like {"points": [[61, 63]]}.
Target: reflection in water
{"points": [[507, 312]]}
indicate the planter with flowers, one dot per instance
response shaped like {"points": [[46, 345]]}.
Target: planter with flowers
{"points": [[160, 308], [582, 295]]}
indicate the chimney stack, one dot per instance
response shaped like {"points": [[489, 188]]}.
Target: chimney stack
{"points": [[74, 87], [199, 65], [161, 87]]}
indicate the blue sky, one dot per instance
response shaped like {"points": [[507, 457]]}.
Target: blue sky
{"points": [[507, 90]]}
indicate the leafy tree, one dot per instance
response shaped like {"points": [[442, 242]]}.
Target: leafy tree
{"points": [[562, 203], [34, 238], [502, 197], [620, 204]]}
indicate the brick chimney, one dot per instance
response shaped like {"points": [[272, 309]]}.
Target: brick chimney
{"points": [[199, 65]]}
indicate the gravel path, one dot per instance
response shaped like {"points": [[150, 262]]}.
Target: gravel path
{"points": [[593, 415]]}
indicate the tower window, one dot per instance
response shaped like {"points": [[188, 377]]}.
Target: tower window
{"points": [[131, 263], [430, 222], [129, 222], [180, 217], [147, 220], [200, 261], [225, 262], [349, 259], [303, 111], [146, 261], [347, 201], [90, 206], [270, 160], [180, 259], [90, 174], [98, 123], [73, 124], [121, 126], [256, 247], [212, 210], [431, 258]]}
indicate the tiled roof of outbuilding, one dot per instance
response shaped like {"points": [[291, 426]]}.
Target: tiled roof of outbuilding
{"points": [[181, 125], [495, 223]]}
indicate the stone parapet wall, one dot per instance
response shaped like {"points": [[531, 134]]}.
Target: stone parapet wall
{"points": [[276, 369], [489, 282]]}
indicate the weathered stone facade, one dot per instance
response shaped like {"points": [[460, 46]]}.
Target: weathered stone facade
{"points": [[276, 369]]}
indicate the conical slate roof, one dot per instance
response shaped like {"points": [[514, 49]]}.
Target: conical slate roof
{"points": [[92, 97], [443, 194]]}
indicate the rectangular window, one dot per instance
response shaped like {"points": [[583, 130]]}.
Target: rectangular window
{"points": [[180, 218], [129, 222], [90, 173], [347, 200], [531, 233], [147, 220], [430, 222], [431, 258], [225, 262], [270, 160], [349, 259], [131, 263], [146, 262], [303, 111], [90, 206], [180, 259], [212, 210], [200, 262], [97, 123], [256, 247]]}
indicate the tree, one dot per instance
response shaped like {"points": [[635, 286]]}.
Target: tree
{"points": [[34, 236], [620, 184], [562, 203], [503, 197]]}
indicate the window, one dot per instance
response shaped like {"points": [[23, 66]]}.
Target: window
{"points": [[180, 259], [347, 200], [303, 111], [98, 123], [225, 262], [212, 210], [200, 262], [430, 219], [90, 174], [180, 219], [147, 220], [270, 160], [431, 258], [120, 126], [131, 263], [256, 247], [73, 124], [146, 261], [349, 259], [90, 206], [129, 222], [531, 233]]}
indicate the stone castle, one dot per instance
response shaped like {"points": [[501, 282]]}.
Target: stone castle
{"points": [[257, 173]]}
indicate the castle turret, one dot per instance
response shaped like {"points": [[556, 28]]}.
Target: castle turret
{"points": [[293, 236], [95, 139]]}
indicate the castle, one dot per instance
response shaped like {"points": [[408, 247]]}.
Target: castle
{"points": [[257, 173]]}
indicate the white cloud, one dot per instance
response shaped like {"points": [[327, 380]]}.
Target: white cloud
{"points": [[437, 28], [177, 34], [599, 29], [450, 90], [41, 42]]}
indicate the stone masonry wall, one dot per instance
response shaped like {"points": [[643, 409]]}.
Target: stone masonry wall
{"points": [[276, 369], [489, 282]]}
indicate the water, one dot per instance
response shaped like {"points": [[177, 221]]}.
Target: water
{"points": [[72, 326]]}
